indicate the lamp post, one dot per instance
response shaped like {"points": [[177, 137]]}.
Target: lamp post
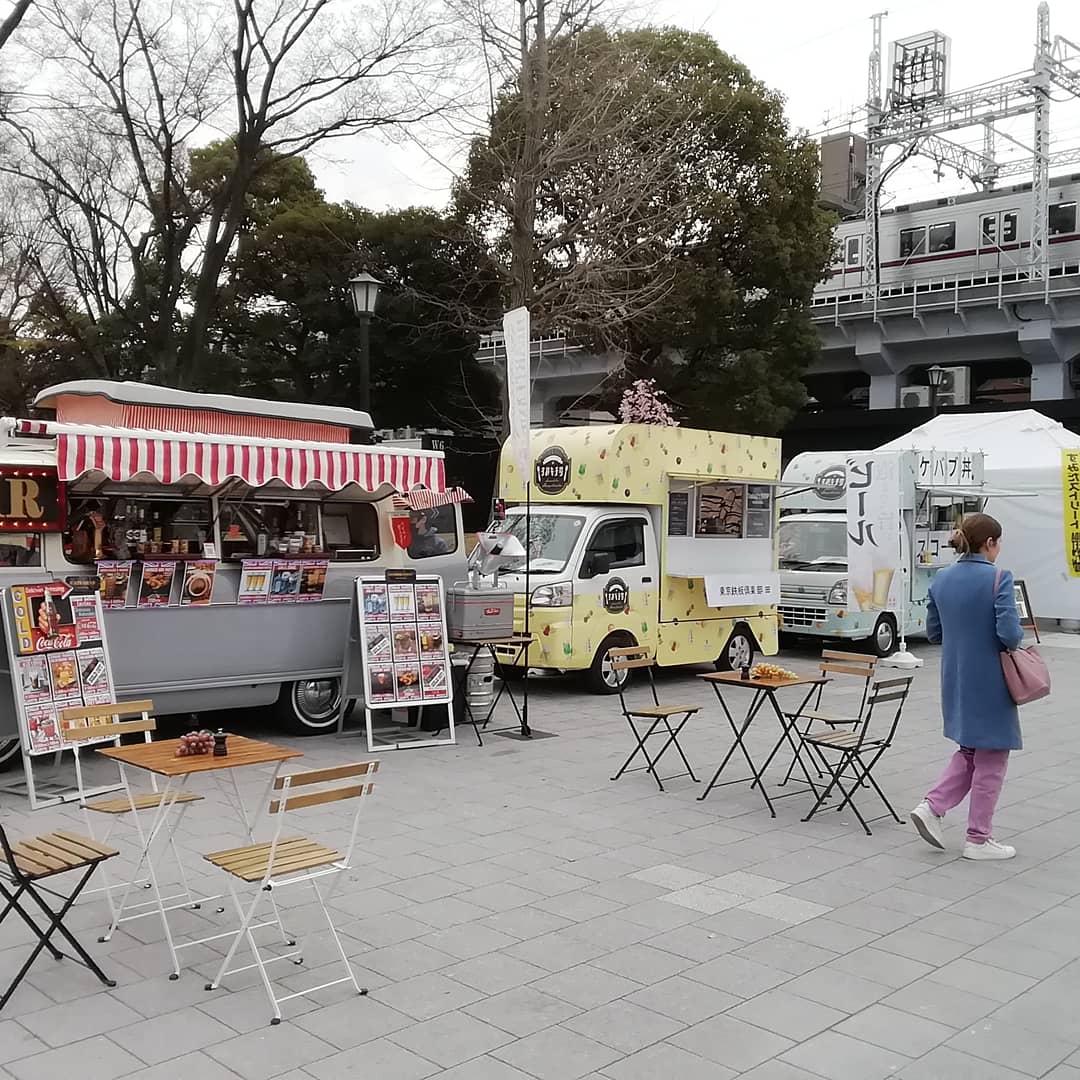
{"points": [[935, 376], [365, 293]]}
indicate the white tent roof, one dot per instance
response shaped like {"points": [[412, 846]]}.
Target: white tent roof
{"points": [[1010, 440]]}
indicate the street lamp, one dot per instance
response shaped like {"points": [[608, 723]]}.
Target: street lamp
{"points": [[935, 376], [365, 293]]}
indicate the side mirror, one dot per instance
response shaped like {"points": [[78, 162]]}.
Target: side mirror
{"points": [[598, 564]]}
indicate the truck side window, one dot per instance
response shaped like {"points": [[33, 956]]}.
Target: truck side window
{"points": [[20, 549], [434, 532], [622, 541], [351, 531]]}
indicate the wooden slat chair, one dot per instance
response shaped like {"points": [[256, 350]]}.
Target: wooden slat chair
{"points": [[655, 719], [82, 723], [839, 668], [26, 863], [859, 749], [281, 863]]}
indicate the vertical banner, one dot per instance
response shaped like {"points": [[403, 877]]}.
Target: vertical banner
{"points": [[1070, 485], [873, 523], [519, 387]]}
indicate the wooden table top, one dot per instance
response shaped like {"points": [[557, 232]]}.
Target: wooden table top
{"points": [[734, 678], [160, 757]]}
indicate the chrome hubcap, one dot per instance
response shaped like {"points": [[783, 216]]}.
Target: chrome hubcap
{"points": [[885, 636], [610, 676], [9, 748], [740, 652], [316, 699]]}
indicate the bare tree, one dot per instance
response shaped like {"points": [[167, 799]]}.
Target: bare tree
{"points": [[134, 87], [12, 20]]}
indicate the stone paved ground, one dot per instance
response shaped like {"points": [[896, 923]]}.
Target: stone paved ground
{"points": [[517, 915]]}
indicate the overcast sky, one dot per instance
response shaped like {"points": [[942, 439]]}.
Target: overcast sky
{"points": [[815, 54]]}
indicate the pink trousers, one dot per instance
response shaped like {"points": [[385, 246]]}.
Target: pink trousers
{"points": [[980, 772]]}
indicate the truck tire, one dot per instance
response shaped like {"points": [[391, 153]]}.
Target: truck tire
{"points": [[600, 679], [310, 706], [9, 753], [883, 640], [739, 650]]}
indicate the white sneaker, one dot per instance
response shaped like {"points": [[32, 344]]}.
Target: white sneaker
{"points": [[989, 850], [929, 825]]}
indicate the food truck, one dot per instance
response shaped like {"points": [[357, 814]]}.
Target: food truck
{"points": [[643, 535], [226, 534], [862, 534]]}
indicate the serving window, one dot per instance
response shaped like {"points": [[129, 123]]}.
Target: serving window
{"points": [[433, 532], [129, 527], [19, 549], [723, 509], [262, 526], [351, 531]]}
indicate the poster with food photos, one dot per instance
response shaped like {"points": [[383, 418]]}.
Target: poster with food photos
{"points": [[156, 584], [404, 642], [58, 658]]}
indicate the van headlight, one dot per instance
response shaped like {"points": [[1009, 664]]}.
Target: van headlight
{"points": [[838, 593], [561, 594]]}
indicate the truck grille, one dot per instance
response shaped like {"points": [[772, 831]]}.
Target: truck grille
{"points": [[792, 617], [802, 594]]}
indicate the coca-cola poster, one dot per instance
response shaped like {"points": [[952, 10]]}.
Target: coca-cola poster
{"points": [[44, 619]]}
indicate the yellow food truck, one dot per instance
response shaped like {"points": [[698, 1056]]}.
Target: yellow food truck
{"points": [[643, 535]]}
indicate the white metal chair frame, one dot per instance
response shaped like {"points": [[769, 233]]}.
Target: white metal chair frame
{"points": [[281, 863], [81, 723]]}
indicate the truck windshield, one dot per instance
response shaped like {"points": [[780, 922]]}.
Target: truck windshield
{"points": [[813, 545], [552, 538]]}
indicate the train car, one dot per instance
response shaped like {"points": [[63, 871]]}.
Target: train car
{"points": [[959, 241]]}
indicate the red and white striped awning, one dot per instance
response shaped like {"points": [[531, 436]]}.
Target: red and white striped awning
{"points": [[422, 499], [121, 455]]}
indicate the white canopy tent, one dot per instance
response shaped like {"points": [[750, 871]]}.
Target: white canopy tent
{"points": [[1022, 453]]}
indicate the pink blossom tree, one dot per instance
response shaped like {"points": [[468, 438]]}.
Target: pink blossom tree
{"points": [[643, 403]]}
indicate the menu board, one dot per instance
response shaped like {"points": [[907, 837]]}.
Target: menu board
{"points": [[678, 513], [156, 583], [403, 642], [59, 658], [759, 511], [282, 581], [198, 587], [115, 578]]}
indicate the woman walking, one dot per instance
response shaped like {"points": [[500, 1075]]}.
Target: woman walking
{"points": [[975, 622]]}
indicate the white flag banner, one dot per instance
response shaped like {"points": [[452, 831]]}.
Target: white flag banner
{"points": [[519, 387], [874, 551]]}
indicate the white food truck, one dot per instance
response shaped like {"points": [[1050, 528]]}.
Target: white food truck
{"points": [[226, 534], [862, 534]]}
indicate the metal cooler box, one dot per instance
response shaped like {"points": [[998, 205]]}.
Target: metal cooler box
{"points": [[479, 614]]}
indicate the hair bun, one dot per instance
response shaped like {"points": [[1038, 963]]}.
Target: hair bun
{"points": [[959, 542]]}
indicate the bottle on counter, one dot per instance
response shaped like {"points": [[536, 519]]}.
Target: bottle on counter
{"points": [[142, 534], [262, 540], [157, 527]]}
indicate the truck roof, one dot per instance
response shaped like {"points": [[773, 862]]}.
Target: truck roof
{"points": [[632, 463], [161, 401]]}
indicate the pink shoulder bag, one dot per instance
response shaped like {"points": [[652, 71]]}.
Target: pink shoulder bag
{"points": [[1026, 674]]}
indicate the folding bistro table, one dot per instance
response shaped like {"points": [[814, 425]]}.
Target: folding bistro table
{"points": [[160, 759], [764, 692]]}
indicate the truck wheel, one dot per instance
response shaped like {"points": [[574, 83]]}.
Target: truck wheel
{"points": [[738, 652], [883, 642], [310, 707], [600, 678], [9, 752]]}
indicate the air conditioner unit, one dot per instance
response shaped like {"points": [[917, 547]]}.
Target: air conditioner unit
{"points": [[955, 387], [915, 397]]}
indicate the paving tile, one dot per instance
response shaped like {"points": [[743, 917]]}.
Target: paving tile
{"points": [[945, 1004], [916, 944], [944, 1063], [406, 959], [198, 1065], [684, 999], [795, 957], [587, 986], [17, 1042], [160, 1038], [779, 1070], [451, 1039], [352, 1022], [785, 1014], [994, 983], [895, 1030], [623, 1026], [731, 1043], [747, 884], [557, 1054], [695, 943], [465, 942], [90, 1059], [381, 1058], [483, 1068], [1026, 1051], [838, 990], [554, 952], [786, 909], [883, 967], [701, 898], [269, 1051], [670, 876], [523, 1011], [642, 963], [665, 1060], [840, 1057], [493, 973], [427, 996], [736, 975]]}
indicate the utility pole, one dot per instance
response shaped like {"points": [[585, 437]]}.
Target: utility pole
{"points": [[873, 151]]}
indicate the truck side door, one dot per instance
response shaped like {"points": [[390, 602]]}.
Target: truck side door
{"points": [[618, 572]]}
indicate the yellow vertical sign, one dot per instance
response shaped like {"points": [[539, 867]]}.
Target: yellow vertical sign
{"points": [[1070, 483]]}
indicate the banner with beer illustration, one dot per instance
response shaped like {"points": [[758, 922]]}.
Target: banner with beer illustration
{"points": [[874, 535]]}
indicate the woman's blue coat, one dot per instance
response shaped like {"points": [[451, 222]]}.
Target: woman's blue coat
{"points": [[974, 626]]}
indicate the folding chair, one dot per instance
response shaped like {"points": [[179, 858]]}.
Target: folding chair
{"points": [[657, 716], [846, 665], [29, 862], [858, 751], [84, 722], [283, 863]]}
